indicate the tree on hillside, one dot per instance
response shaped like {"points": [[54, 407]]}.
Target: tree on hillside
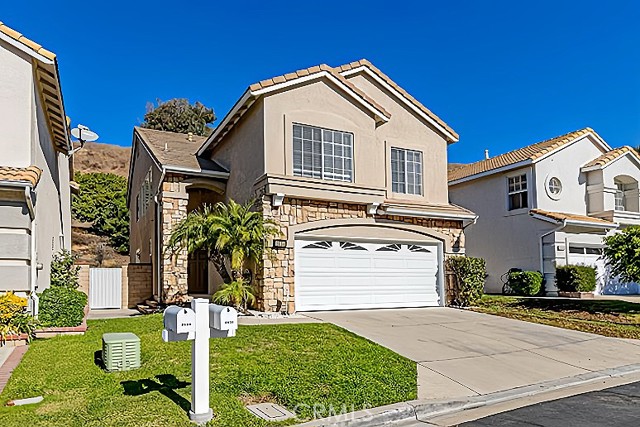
{"points": [[102, 201], [178, 115]]}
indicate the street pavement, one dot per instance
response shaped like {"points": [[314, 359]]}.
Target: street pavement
{"points": [[614, 407]]}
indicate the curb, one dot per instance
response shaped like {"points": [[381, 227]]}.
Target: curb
{"points": [[421, 410]]}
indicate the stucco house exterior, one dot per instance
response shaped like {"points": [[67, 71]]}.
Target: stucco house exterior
{"points": [[350, 166], [548, 204], [35, 211]]}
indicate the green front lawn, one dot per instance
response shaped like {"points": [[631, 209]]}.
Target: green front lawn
{"points": [[605, 317], [296, 365]]}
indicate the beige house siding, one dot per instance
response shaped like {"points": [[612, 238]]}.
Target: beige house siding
{"points": [[407, 130], [26, 141], [142, 230], [504, 239], [243, 153]]}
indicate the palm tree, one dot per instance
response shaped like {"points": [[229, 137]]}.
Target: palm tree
{"points": [[233, 232]]}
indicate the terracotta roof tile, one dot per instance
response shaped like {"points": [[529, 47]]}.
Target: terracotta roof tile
{"points": [[561, 216], [386, 79], [175, 149], [530, 152], [313, 70], [609, 156], [27, 42], [29, 174]]}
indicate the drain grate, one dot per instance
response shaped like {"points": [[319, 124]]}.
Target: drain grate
{"points": [[270, 412]]}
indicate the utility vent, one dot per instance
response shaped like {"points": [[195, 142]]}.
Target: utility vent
{"points": [[270, 412], [120, 351]]}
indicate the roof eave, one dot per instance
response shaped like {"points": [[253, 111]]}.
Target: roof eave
{"points": [[491, 172], [451, 137]]}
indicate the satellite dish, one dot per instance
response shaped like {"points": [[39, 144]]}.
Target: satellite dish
{"points": [[83, 134]]}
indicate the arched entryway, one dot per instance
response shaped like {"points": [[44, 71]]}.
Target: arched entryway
{"points": [[198, 272]]}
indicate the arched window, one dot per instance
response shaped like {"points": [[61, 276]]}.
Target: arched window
{"points": [[626, 198]]}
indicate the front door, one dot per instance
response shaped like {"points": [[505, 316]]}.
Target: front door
{"points": [[198, 268]]}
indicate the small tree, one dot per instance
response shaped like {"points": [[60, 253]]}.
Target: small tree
{"points": [[622, 253], [178, 115], [232, 233]]}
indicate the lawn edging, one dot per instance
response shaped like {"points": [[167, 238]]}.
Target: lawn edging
{"points": [[421, 410]]}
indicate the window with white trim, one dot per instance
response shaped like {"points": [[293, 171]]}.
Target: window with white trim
{"points": [[406, 171], [322, 153], [621, 200], [517, 192]]}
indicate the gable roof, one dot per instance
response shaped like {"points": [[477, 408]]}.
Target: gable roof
{"points": [[46, 72], [609, 157], [255, 90], [572, 219], [526, 155], [29, 175], [364, 64], [175, 152]]}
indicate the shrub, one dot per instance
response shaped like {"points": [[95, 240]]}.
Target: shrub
{"points": [[62, 306], [468, 277], [576, 278], [13, 318], [622, 253], [10, 305], [63, 271], [527, 283], [236, 293]]}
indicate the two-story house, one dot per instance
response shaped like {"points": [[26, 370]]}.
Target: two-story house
{"points": [[351, 167], [35, 212], [548, 204]]}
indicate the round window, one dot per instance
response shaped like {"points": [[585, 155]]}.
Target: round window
{"points": [[554, 187]]}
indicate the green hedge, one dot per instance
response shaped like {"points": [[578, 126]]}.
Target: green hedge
{"points": [[576, 278], [527, 283], [62, 306], [468, 277]]}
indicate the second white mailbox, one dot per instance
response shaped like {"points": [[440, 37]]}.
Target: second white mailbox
{"points": [[179, 320], [223, 318]]}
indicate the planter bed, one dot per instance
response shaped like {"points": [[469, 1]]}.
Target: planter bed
{"points": [[581, 295]]}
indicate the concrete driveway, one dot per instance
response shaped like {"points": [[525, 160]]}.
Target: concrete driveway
{"points": [[461, 353]]}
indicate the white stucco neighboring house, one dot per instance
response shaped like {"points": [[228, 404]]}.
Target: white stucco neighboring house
{"points": [[35, 217], [548, 204]]}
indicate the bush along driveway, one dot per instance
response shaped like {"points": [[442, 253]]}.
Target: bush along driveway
{"points": [[611, 318], [305, 367]]}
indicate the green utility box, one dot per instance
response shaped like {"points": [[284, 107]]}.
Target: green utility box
{"points": [[120, 351]]}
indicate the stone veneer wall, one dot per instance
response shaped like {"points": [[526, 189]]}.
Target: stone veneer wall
{"points": [[276, 280], [174, 265]]}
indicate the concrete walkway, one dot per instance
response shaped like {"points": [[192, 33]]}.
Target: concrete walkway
{"points": [[112, 313], [462, 353]]}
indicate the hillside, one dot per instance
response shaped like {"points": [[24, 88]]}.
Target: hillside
{"points": [[100, 157]]}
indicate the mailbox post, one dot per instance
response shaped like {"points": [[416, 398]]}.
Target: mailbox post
{"points": [[199, 323]]}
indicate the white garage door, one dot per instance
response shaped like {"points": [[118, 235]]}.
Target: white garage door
{"points": [[333, 275]]}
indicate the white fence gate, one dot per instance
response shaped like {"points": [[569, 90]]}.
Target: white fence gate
{"points": [[105, 287]]}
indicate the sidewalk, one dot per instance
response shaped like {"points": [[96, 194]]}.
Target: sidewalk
{"points": [[10, 358]]}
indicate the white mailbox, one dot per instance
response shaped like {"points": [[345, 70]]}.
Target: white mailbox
{"points": [[179, 320], [223, 318]]}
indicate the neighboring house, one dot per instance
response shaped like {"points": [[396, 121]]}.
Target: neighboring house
{"points": [[35, 211], [549, 204], [351, 167]]}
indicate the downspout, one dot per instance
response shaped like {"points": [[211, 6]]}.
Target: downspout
{"points": [[33, 264], [158, 234], [541, 244]]}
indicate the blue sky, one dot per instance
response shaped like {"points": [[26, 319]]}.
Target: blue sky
{"points": [[503, 74]]}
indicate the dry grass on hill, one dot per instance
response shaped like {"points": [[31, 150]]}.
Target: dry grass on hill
{"points": [[99, 157]]}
